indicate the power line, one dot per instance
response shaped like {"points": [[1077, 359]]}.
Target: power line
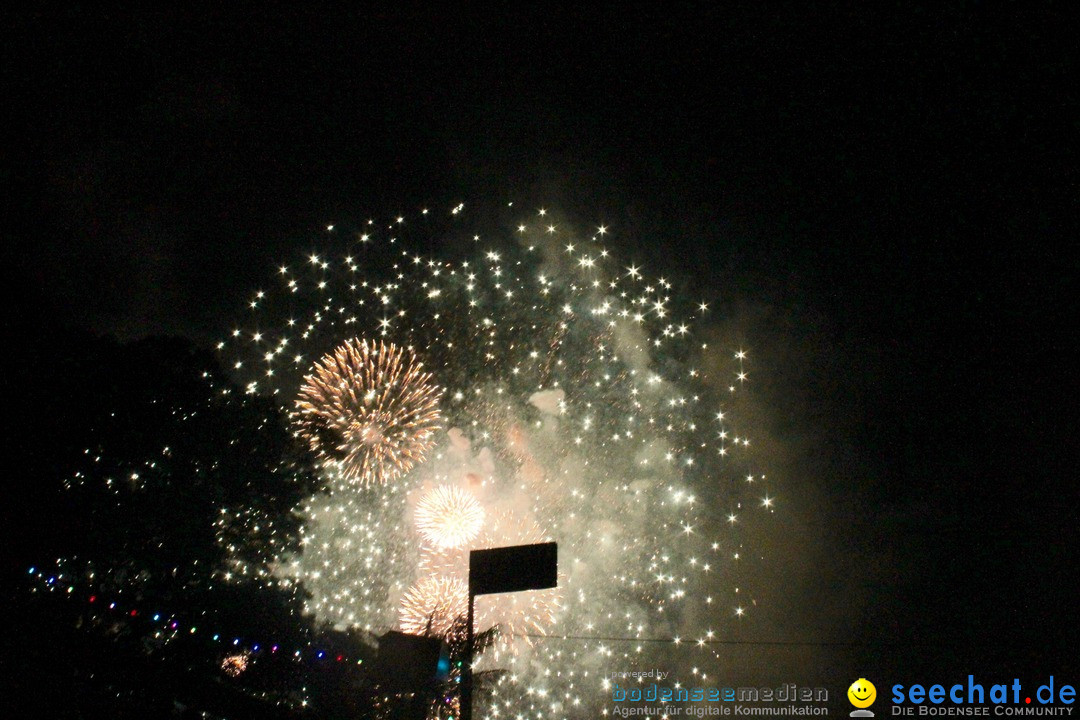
{"points": [[702, 642]]}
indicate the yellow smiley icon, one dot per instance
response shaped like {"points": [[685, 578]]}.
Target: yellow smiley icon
{"points": [[862, 693]]}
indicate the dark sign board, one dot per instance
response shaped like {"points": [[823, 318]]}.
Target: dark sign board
{"points": [[514, 568]]}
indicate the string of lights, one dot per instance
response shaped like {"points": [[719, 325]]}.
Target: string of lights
{"points": [[169, 625]]}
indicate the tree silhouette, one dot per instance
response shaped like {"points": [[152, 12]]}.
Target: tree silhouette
{"points": [[146, 477]]}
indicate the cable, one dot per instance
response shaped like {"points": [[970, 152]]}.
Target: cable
{"points": [[679, 641]]}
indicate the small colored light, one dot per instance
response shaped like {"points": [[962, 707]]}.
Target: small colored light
{"points": [[255, 648], [174, 625], [340, 658], [236, 641], [216, 638], [321, 653], [112, 606], [273, 649], [32, 570], [93, 598], [157, 617], [133, 613]]}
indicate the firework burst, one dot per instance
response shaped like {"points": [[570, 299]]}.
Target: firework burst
{"points": [[369, 410], [235, 665], [448, 517], [434, 606]]}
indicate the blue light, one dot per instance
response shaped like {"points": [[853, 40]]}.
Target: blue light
{"points": [[32, 570], [157, 617]]}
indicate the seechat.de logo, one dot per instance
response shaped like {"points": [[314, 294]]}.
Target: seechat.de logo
{"points": [[983, 698]]}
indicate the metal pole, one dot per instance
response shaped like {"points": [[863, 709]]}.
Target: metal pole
{"points": [[466, 666]]}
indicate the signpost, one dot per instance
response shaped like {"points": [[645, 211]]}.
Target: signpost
{"points": [[500, 570]]}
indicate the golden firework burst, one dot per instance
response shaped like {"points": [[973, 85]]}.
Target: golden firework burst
{"points": [[434, 606], [369, 410]]}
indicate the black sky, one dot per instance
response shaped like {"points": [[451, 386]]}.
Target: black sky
{"points": [[879, 199]]}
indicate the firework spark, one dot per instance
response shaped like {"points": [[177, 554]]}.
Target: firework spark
{"points": [[448, 517], [369, 410]]}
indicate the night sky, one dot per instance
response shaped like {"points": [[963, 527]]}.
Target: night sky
{"points": [[877, 202]]}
